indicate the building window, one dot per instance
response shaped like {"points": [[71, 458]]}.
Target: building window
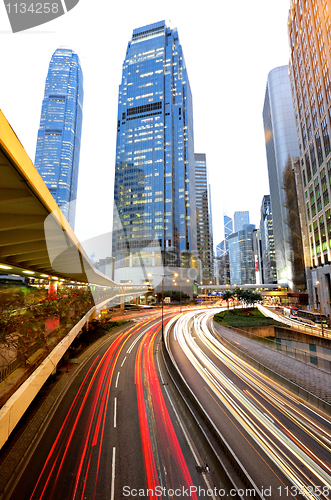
{"points": [[320, 98], [319, 148], [307, 160], [308, 122], [313, 158], [314, 113], [326, 137]]}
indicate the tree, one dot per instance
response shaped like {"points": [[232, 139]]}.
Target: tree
{"points": [[229, 294]]}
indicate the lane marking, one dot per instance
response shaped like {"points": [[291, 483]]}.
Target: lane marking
{"points": [[112, 490], [115, 411], [118, 374], [136, 340], [123, 361]]}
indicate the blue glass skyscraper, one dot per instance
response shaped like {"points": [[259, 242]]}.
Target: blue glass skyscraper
{"points": [[154, 191], [59, 135]]}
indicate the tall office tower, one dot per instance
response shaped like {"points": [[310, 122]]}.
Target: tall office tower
{"points": [[309, 31], [203, 216], [223, 247], [228, 226], [59, 135], [281, 143], [268, 262], [240, 219], [154, 222], [241, 256], [222, 269]]}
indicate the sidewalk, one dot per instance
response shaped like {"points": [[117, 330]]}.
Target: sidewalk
{"points": [[309, 377]]}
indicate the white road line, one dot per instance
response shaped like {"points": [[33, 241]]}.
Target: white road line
{"points": [[123, 361], [118, 374], [112, 490], [136, 340], [115, 411]]}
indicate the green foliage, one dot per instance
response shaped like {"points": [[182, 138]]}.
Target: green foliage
{"points": [[23, 316], [244, 317]]}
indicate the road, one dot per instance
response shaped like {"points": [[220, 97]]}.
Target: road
{"points": [[282, 444], [116, 433]]}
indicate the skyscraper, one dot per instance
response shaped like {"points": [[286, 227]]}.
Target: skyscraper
{"points": [[309, 31], [154, 221], [59, 135], [268, 261], [203, 215], [222, 265], [281, 144], [240, 219], [241, 256]]}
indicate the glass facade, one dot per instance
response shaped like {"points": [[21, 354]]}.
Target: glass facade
{"points": [[268, 262], [309, 29], [203, 216], [154, 220], [59, 135], [241, 256], [240, 219], [281, 143]]}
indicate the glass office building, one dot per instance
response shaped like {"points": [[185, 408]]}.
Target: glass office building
{"points": [[59, 135], [241, 256], [281, 144], [309, 29], [204, 219], [268, 259], [154, 222], [240, 220]]}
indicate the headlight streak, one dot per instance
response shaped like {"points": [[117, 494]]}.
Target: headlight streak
{"points": [[92, 401], [311, 428], [163, 458], [193, 352]]}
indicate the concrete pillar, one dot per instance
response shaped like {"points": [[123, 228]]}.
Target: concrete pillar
{"points": [[137, 300], [122, 304]]}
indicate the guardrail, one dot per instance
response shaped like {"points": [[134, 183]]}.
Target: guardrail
{"points": [[315, 330]]}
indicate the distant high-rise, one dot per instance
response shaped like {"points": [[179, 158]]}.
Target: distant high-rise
{"points": [[269, 274], [59, 135], [241, 256], [281, 143], [154, 221], [203, 215], [222, 266], [240, 220]]}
